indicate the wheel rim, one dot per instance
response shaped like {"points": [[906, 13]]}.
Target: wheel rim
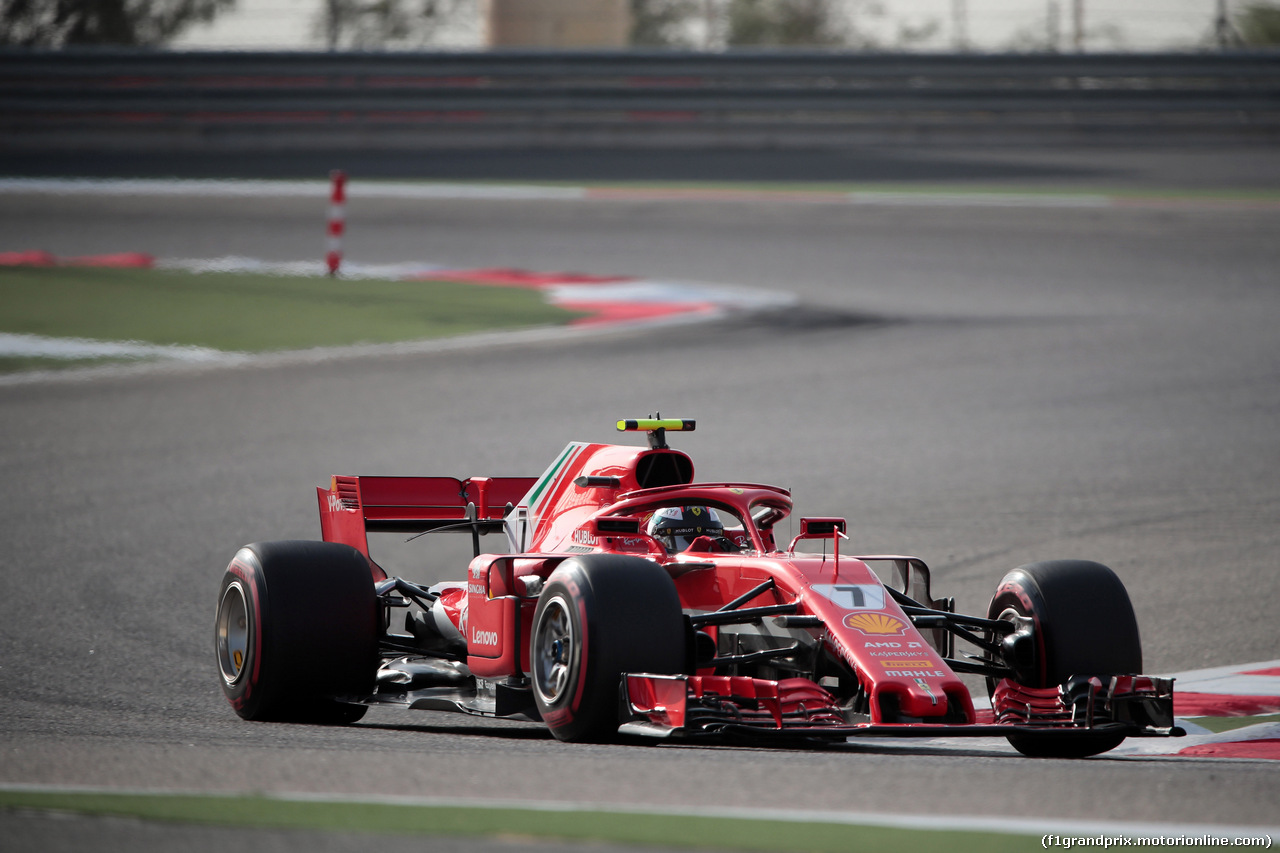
{"points": [[233, 633], [553, 651]]}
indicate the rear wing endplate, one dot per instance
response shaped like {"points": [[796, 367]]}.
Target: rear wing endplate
{"points": [[353, 506]]}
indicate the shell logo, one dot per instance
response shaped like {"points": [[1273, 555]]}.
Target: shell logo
{"points": [[875, 623]]}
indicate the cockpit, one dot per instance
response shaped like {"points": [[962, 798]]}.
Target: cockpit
{"points": [[709, 518]]}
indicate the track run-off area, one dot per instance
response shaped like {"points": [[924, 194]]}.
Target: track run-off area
{"points": [[980, 381]]}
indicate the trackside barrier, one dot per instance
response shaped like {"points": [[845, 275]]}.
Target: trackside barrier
{"points": [[132, 100]]}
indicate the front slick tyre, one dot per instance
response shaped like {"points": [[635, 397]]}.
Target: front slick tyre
{"points": [[1084, 625], [297, 625], [598, 616]]}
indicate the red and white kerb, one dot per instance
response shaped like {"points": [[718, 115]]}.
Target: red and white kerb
{"points": [[337, 220]]}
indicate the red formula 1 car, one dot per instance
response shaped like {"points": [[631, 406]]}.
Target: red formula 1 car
{"points": [[633, 599]]}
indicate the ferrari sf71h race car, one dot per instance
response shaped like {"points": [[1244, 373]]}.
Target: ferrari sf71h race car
{"points": [[633, 600]]}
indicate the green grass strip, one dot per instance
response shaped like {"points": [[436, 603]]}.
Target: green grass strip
{"points": [[663, 830], [688, 832], [255, 312]]}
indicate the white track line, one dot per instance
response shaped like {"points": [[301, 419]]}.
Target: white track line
{"points": [[515, 192], [79, 348], [283, 189], [1231, 680], [319, 355]]}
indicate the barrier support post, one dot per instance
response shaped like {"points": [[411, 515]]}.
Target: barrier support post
{"points": [[337, 220]]}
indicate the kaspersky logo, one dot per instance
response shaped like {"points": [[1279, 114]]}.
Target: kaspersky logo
{"points": [[879, 624]]}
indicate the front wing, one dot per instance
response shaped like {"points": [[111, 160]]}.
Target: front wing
{"points": [[691, 705]]}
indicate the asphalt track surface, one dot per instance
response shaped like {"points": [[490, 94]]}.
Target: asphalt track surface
{"points": [[982, 387]]}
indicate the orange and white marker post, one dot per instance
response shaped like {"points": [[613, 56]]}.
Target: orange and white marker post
{"points": [[337, 220]]}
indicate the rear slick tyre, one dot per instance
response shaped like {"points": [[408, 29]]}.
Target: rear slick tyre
{"points": [[599, 616], [297, 626], [1083, 625]]}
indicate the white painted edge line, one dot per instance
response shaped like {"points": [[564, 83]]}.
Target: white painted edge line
{"points": [[351, 270], [319, 355], [283, 189], [670, 293], [76, 348], [1142, 747], [1133, 748], [978, 199], [357, 189], [1231, 680], [972, 823]]}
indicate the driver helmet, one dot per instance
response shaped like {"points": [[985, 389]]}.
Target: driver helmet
{"points": [[677, 526]]}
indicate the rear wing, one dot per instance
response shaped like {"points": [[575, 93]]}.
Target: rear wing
{"points": [[353, 506]]}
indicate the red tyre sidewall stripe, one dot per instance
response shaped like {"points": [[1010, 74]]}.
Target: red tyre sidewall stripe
{"points": [[582, 657], [1018, 592]]}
